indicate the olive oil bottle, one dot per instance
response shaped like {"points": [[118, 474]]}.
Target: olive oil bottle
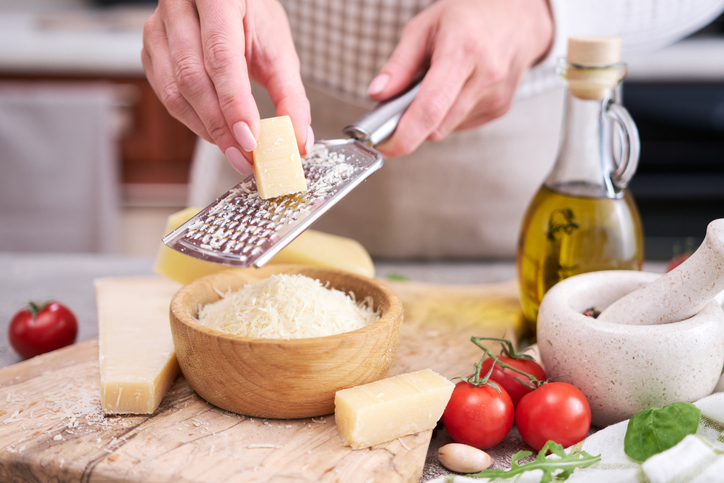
{"points": [[583, 218]]}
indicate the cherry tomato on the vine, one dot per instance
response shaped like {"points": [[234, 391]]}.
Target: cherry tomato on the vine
{"points": [[478, 416], [505, 377], [555, 411], [42, 328]]}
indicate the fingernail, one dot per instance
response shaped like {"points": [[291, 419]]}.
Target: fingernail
{"points": [[378, 84], [310, 141], [238, 161], [244, 137]]}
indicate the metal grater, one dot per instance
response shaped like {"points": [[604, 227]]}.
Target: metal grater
{"points": [[241, 229]]}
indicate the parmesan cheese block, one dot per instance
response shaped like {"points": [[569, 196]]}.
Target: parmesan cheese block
{"points": [[277, 164], [309, 248], [136, 352], [177, 266], [329, 251], [390, 408]]}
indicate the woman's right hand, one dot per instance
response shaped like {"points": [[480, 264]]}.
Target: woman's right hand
{"points": [[200, 57]]}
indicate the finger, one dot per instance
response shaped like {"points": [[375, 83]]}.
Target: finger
{"points": [[287, 93], [276, 67], [156, 63], [478, 119], [296, 106], [480, 102], [185, 50], [407, 61], [223, 43], [449, 70], [459, 111], [465, 114], [474, 101]]}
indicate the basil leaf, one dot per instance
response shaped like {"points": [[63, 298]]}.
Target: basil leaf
{"points": [[655, 430]]}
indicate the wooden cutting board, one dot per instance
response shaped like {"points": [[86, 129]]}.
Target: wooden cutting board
{"points": [[52, 428]]}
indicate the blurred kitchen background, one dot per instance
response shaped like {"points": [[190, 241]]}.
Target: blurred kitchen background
{"points": [[91, 161]]}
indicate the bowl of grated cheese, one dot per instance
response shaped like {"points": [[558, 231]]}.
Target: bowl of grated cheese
{"points": [[279, 341]]}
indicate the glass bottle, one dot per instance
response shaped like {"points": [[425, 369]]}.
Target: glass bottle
{"points": [[583, 218]]}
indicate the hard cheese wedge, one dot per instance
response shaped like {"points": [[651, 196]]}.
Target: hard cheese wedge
{"points": [[325, 250], [177, 266], [309, 248], [390, 408], [136, 353], [277, 164]]}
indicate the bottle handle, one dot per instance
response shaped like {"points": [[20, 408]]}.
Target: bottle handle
{"points": [[630, 145]]}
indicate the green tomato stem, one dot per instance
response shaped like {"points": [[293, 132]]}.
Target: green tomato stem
{"points": [[535, 383], [36, 308], [507, 348]]}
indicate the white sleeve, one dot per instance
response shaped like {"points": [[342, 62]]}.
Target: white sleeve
{"points": [[643, 25]]}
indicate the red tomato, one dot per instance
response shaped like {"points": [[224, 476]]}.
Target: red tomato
{"points": [[478, 415], [504, 377], [40, 329], [676, 261], [555, 411]]}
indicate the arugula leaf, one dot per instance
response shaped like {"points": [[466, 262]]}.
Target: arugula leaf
{"points": [[566, 463], [397, 277], [654, 430]]}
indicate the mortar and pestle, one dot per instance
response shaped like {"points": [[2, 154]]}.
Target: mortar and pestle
{"points": [[659, 338]]}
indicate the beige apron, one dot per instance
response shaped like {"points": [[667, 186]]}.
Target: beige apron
{"points": [[459, 198], [463, 197]]}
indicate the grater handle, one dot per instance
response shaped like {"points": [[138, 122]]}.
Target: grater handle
{"points": [[379, 124]]}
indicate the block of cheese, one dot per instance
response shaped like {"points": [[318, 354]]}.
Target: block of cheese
{"points": [[277, 164], [309, 248], [177, 266], [325, 250], [390, 408], [135, 349]]}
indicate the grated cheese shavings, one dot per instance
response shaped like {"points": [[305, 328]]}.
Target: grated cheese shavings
{"points": [[287, 307]]}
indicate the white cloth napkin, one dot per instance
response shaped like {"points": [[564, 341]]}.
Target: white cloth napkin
{"points": [[698, 458], [58, 168]]}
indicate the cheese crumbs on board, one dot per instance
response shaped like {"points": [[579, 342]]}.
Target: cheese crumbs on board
{"points": [[287, 307]]}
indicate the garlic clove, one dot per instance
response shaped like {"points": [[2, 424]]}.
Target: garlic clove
{"points": [[462, 458]]}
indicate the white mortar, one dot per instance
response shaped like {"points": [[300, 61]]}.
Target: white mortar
{"points": [[621, 368]]}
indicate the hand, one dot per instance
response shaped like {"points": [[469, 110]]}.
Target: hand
{"points": [[475, 53], [200, 56]]}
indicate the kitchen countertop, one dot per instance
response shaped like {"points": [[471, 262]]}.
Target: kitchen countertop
{"points": [[104, 42], [69, 278]]}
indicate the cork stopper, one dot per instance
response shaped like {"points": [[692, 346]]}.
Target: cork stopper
{"points": [[594, 66], [594, 51]]}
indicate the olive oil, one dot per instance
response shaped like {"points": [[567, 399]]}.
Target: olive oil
{"points": [[564, 235], [583, 218]]}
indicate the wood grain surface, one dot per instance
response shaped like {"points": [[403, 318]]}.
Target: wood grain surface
{"points": [[282, 378], [52, 427]]}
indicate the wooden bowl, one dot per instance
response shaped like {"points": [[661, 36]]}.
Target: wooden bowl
{"points": [[281, 378]]}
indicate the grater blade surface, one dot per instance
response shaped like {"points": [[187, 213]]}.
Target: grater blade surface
{"points": [[240, 229]]}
